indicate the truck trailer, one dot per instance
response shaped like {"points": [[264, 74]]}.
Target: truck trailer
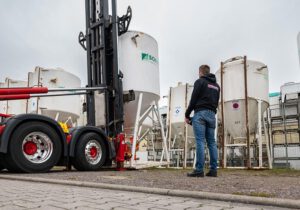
{"points": [[35, 143]]}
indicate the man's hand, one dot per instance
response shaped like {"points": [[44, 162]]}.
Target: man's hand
{"points": [[187, 121]]}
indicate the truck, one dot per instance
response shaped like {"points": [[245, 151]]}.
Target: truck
{"points": [[34, 143]]}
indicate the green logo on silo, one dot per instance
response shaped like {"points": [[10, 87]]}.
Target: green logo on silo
{"points": [[148, 57]]}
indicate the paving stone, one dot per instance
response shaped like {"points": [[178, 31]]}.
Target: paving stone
{"points": [[26, 204], [160, 202], [11, 207], [125, 208], [111, 205], [177, 201], [50, 203], [145, 206], [93, 201], [222, 204], [75, 205], [246, 208], [176, 206], [46, 207], [193, 204], [211, 208], [86, 208]]}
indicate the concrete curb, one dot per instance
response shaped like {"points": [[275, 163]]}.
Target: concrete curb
{"points": [[286, 203]]}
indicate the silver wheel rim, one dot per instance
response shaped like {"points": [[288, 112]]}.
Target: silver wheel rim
{"points": [[44, 147], [93, 145]]}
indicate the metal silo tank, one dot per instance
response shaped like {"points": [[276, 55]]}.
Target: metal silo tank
{"points": [[179, 98], [234, 94], [62, 107], [181, 136], [14, 106], [244, 99], [138, 61]]}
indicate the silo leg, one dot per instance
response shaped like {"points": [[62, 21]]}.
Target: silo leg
{"points": [[259, 134], [267, 145], [136, 127], [162, 132]]}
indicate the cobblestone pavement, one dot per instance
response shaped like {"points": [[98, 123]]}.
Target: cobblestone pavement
{"points": [[27, 195], [277, 183]]}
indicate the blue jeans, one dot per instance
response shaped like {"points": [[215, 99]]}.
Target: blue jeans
{"points": [[204, 124]]}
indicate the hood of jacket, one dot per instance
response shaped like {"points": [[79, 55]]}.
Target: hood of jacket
{"points": [[210, 78]]}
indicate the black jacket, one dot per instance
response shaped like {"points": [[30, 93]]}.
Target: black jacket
{"points": [[205, 95]]}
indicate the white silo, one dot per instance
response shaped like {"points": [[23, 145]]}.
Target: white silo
{"points": [[13, 106], [180, 135], [238, 89], [179, 98], [234, 94], [82, 120], [139, 63], [60, 108], [138, 60]]}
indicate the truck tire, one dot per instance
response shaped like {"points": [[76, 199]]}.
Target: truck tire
{"points": [[33, 147], [90, 152]]}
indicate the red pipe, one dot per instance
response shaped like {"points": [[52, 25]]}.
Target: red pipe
{"points": [[14, 97], [5, 115], [31, 90]]}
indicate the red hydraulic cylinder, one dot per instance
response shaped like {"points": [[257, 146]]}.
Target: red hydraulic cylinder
{"points": [[5, 115], [14, 97], [121, 152], [25, 90]]}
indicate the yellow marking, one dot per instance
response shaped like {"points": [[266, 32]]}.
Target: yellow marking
{"points": [[64, 127]]}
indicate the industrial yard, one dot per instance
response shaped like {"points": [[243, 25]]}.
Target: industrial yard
{"points": [[121, 117], [99, 99]]}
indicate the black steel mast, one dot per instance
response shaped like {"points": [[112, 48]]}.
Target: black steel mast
{"points": [[101, 44]]}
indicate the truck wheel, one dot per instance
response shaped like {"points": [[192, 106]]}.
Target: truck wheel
{"points": [[90, 153], [33, 147]]}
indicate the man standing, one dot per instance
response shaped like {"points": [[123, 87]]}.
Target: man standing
{"points": [[204, 102]]}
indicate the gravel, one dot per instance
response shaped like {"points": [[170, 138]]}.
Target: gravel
{"points": [[263, 183]]}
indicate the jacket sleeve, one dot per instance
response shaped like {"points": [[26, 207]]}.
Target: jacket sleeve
{"points": [[196, 91]]}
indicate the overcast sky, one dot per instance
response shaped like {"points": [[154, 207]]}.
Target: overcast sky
{"points": [[189, 33]]}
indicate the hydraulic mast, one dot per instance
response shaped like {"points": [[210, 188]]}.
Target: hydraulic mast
{"points": [[101, 44]]}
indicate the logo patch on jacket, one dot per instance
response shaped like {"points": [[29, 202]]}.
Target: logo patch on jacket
{"points": [[213, 87]]}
